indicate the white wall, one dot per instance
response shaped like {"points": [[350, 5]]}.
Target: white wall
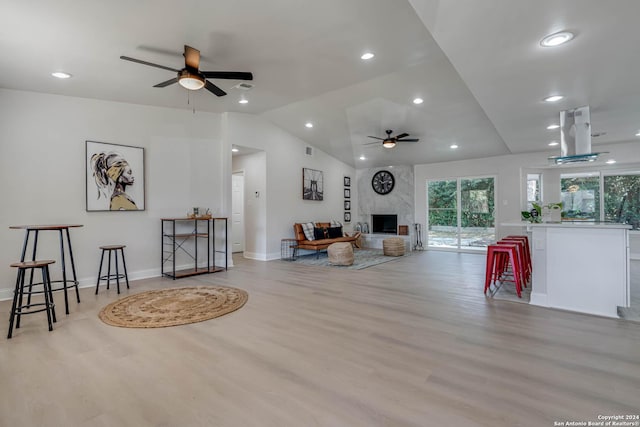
{"points": [[285, 158], [509, 171], [42, 168]]}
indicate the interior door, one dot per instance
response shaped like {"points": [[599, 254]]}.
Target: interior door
{"points": [[237, 214]]}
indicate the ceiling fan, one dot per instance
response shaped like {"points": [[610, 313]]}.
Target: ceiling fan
{"points": [[390, 142], [190, 77]]}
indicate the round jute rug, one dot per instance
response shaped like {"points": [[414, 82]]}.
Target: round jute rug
{"points": [[172, 307]]}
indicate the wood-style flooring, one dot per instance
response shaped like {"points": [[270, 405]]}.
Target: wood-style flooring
{"points": [[412, 342]]}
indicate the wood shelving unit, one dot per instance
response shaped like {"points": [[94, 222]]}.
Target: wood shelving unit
{"points": [[175, 240]]}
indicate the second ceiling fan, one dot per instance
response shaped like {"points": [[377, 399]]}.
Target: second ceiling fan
{"points": [[190, 77], [391, 141]]}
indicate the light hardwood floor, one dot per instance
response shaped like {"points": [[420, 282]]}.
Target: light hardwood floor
{"points": [[412, 342]]}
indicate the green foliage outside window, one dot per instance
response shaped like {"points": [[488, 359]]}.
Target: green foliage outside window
{"points": [[581, 197], [477, 196], [622, 199]]}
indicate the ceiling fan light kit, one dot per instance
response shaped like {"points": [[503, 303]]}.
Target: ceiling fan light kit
{"points": [[391, 141], [190, 77], [190, 81]]}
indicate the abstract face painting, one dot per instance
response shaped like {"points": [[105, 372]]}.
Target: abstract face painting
{"points": [[115, 177]]}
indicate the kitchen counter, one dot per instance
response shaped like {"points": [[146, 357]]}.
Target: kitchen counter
{"points": [[579, 266]]}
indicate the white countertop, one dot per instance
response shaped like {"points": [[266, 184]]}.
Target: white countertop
{"points": [[567, 224]]}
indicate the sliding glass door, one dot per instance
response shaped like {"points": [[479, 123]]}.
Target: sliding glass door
{"points": [[460, 213]]}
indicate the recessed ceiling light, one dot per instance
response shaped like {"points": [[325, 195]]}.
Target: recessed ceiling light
{"points": [[553, 143], [235, 150], [610, 161], [363, 158], [367, 55], [453, 146], [308, 125], [61, 75], [552, 127], [243, 101], [553, 98], [556, 39], [638, 134], [418, 101]]}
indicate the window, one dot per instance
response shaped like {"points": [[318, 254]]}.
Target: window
{"points": [[622, 199], [613, 197], [534, 190], [461, 213], [580, 196]]}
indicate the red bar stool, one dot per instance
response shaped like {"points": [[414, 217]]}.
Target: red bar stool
{"points": [[526, 272], [499, 257], [527, 248]]}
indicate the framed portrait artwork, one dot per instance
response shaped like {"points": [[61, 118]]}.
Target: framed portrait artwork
{"points": [[347, 205], [347, 217], [347, 193], [312, 184], [347, 181], [114, 177]]}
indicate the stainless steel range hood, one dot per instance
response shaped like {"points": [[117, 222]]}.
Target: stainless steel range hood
{"points": [[575, 137]]}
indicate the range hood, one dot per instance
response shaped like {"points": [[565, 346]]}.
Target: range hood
{"points": [[575, 137]]}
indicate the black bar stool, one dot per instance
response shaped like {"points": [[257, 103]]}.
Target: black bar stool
{"points": [[17, 308], [109, 276]]}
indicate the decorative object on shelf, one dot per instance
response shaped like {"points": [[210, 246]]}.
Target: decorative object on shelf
{"points": [[347, 205], [312, 184], [347, 217], [365, 228], [195, 214], [359, 227], [347, 181], [114, 177], [347, 193], [383, 182]]}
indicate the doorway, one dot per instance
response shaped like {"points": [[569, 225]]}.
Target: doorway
{"points": [[460, 213], [237, 212]]}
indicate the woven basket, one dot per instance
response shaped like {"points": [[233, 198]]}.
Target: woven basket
{"points": [[340, 253], [393, 246]]}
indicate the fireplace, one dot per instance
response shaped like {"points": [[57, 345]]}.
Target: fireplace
{"points": [[387, 224]]}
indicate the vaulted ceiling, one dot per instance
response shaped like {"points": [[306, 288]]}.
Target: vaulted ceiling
{"points": [[478, 66]]}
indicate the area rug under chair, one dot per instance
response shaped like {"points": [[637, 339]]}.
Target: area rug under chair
{"points": [[172, 307], [362, 258]]}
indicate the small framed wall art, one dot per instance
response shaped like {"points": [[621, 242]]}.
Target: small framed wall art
{"points": [[347, 181], [114, 177], [312, 184], [347, 193], [347, 217], [347, 205]]}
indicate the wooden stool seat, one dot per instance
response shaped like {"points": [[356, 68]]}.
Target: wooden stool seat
{"points": [[33, 264], [17, 307], [117, 276]]}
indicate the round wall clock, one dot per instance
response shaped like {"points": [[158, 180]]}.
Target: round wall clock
{"points": [[383, 182]]}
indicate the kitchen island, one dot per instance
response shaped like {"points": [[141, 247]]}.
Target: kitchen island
{"points": [[580, 266]]}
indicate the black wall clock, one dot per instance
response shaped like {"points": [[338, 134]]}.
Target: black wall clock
{"points": [[383, 182]]}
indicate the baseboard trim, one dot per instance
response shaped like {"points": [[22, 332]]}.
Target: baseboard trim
{"points": [[90, 282]]}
